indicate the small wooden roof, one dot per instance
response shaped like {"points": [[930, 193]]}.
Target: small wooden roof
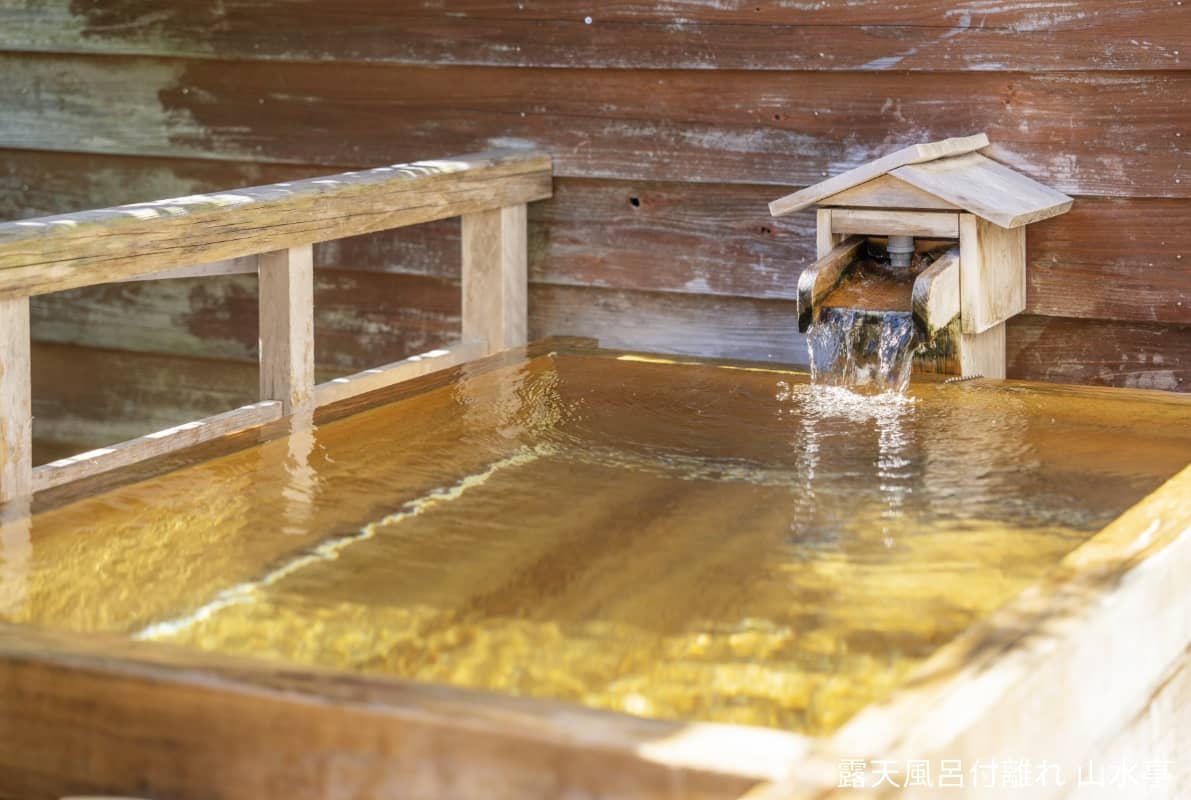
{"points": [[951, 171]]}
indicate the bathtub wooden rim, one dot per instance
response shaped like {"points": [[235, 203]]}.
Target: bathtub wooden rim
{"points": [[1053, 675], [985, 687]]}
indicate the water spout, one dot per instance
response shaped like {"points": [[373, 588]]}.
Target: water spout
{"points": [[863, 350]]}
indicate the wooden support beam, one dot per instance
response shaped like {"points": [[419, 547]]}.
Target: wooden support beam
{"points": [[134, 451], [889, 223], [824, 238], [370, 380], [287, 328], [70, 250], [983, 353], [16, 410], [992, 273], [495, 277]]}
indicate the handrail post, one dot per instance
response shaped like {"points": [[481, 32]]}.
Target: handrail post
{"points": [[16, 405], [286, 300], [168, 238], [495, 277]]}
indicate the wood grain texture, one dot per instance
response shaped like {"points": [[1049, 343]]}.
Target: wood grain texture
{"points": [[1099, 352], [936, 296], [869, 35], [494, 277], [935, 224], [779, 129], [817, 280], [1157, 737], [992, 273], [1113, 260], [361, 318], [107, 716], [987, 189], [380, 377], [889, 193], [1071, 351], [983, 353], [824, 238], [1042, 654], [89, 247], [245, 265], [286, 313], [87, 398], [1123, 259], [187, 434], [914, 154], [720, 327], [16, 412]]}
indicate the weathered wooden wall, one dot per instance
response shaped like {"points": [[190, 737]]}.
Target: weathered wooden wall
{"points": [[672, 124]]}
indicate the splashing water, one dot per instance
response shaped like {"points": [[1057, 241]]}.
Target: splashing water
{"points": [[865, 351]]}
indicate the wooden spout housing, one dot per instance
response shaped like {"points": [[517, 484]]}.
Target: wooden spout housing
{"points": [[938, 190]]}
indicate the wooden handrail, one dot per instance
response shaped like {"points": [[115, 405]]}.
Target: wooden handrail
{"points": [[66, 251], [269, 229]]}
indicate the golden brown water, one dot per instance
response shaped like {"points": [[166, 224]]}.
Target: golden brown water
{"points": [[682, 541]]}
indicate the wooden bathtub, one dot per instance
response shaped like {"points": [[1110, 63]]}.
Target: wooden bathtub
{"points": [[1090, 663]]}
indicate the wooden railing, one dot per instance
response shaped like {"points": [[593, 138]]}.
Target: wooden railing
{"points": [[269, 229]]}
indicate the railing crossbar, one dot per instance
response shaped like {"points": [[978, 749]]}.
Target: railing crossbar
{"points": [[272, 228]]}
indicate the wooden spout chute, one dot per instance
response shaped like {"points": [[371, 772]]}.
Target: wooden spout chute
{"points": [[817, 280]]}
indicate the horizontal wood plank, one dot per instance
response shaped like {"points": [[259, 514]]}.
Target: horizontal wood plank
{"points": [[1115, 259], [361, 318], [719, 327], [1076, 351], [1100, 353], [383, 376], [103, 716], [1063, 129], [868, 35], [90, 247], [152, 445], [933, 224], [244, 265], [1120, 259], [86, 398]]}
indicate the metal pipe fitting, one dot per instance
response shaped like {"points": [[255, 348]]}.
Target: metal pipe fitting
{"points": [[901, 251]]}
